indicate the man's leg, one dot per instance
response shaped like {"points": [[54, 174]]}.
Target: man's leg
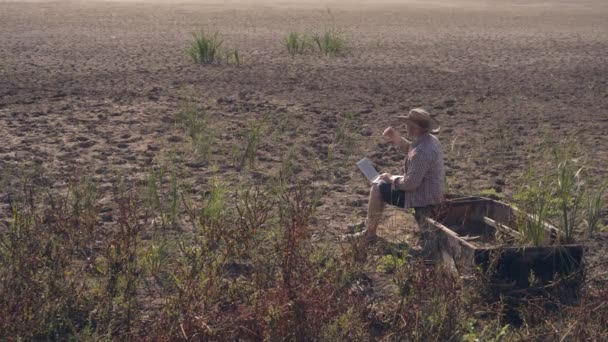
{"points": [[375, 207]]}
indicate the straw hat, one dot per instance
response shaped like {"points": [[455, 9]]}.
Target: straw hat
{"points": [[422, 119]]}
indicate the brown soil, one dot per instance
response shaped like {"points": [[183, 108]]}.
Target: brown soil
{"points": [[93, 88]]}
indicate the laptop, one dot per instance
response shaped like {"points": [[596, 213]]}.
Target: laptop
{"points": [[368, 169]]}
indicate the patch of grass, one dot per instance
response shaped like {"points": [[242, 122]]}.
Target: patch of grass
{"points": [[331, 42], [236, 57], [553, 192], [533, 197], [296, 43], [251, 145], [205, 49], [593, 210], [195, 122], [162, 197], [343, 133], [569, 195], [491, 193], [389, 263]]}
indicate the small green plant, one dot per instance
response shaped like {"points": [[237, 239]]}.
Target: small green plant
{"points": [[155, 258], [594, 210], [491, 193], [534, 201], [205, 49], [162, 198], [490, 333], [389, 263], [330, 43], [569, 195], [553, 194], [236, 57], [343, 134], [198, 130], [296, 43], [251, 147]]}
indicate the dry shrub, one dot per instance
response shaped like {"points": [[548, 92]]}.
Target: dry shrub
{"points": [[242, 267]]}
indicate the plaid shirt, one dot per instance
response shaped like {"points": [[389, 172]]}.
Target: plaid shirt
{"points": [[423, 173]]}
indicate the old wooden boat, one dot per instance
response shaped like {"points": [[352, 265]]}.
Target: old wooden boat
{"points": [[475, 234]]}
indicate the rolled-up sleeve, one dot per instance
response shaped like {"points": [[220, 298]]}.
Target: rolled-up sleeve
{"points": [[417, 167]]}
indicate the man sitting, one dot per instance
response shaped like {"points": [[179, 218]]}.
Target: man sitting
{"points": [[421, 185]]}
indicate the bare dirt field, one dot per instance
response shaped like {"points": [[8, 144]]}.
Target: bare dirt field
{"points": [[93, 88]]}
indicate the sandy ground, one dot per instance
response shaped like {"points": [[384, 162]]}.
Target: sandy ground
{"points": [[93, 87]]}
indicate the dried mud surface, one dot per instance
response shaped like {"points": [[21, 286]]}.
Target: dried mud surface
{"points": [[94, 87]]}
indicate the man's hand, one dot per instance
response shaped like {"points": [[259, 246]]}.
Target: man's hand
{"points": [[391, 135], [386, 177]]}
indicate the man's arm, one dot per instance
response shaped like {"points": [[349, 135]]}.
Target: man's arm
{"points": [[403, 144], [417, 168], [392, 136]]}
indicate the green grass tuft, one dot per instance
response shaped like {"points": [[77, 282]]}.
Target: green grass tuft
{"points": [[205, 49], [330, 43], [296, 43], [198, 129]]}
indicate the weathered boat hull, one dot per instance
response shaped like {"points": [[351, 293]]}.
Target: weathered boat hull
{"points": [[463, 230]]}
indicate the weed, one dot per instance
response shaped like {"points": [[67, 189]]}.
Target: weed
{"points": [[558, 195], [491, 193], [195, 122], [155, 258], [205, 49], [389, 263], [594, 210], [534, 198], [163, 199], [236, 57], [344, 138], [251, 146], [296, 43], [330, 43], [569, 195]]}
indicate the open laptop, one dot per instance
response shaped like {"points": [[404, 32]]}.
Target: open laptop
{"points": [[368, 169]]}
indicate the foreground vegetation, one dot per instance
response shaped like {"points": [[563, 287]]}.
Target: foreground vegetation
{"points": [[162, 260], [560, 192], [227, 265]]}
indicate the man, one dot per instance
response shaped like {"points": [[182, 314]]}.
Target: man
{"points": [[421, 186]]}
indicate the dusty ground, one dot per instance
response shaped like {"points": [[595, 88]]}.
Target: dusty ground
{"points": [[93, 88]]}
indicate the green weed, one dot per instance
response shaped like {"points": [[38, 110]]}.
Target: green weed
{"points": [[162, 197], [593, 210], [236, 57], [569, 195], [389, 263], [296, 43], [205, 48], [251, 145], [195, 122], [491, 193], [535, 201], [343, 133], [331, 42]]}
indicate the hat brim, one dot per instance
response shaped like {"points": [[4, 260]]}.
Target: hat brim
{"points": [[434, 126]]}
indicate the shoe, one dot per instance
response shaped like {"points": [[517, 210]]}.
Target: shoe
{"points": [[356, 227], [359, 236]]}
